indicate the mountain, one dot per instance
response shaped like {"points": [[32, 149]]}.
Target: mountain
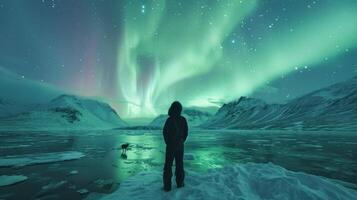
{"points": [[330, 108], [65, 112], [194, 118]]}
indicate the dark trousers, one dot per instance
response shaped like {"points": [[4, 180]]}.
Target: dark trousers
{"points": [[171, 154]]}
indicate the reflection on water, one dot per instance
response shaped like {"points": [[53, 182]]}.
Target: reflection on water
{"points": [[333, 155]]}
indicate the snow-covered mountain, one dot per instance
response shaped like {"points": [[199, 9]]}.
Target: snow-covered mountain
{"points": [[194, 118], [330, 108], [65, 112]]}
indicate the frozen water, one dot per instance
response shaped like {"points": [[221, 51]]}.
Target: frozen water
{"points": [[32, 159], [10, 180], [189, 156], [102, 168], [246, 181]]}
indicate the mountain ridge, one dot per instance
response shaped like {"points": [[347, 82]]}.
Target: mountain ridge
{"points": [[331, 108], [65, 112]]}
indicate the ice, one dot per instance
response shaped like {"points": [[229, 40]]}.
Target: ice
{"points": [[73, 172], [258, 141], [245, 181], [10, 180], [53, 185], [41, 158], [15, 146], [83, 191]]}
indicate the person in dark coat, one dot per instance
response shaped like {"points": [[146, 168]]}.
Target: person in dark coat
{"points": [[175, 133]]}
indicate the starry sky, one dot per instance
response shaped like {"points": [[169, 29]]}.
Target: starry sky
{"points": [[140, 55]]}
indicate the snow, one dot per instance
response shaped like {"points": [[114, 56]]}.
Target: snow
{"points": [[330, 108], [41, 158], [66, 112], [93, 110], [244, 181], [10, 180]]}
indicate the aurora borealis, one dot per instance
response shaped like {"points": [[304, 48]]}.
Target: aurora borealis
{"points": [[142, 55]]}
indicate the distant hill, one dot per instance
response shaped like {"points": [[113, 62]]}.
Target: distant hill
{"points": [[330, 108], [63, 112]]}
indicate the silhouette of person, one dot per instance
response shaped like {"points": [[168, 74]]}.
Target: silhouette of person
{"points": [[175, 133]]}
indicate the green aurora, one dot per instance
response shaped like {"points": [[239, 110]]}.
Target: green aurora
{"points": [[184, 50], [141, 55]]}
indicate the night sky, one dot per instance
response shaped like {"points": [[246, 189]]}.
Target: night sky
{"points": [[141, 55]]}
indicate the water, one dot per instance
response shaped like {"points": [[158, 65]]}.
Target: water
{"points": [[332, 155]]}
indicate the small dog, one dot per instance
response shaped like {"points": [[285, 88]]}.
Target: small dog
{"points": [[124, 147]]}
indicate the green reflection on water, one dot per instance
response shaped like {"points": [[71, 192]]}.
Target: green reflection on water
{"points": [[147, 152], [214, 149]]}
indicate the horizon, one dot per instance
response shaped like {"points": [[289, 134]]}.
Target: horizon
{"points": [[141, 121]]}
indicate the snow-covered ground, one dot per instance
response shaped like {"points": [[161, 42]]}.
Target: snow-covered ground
{"points": [[244, 181], [41, 158]]}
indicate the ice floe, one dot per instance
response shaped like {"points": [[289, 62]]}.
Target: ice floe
{"points": [[53, 185], [73, 172], [10, 180], [83, 191], [40, 158]]}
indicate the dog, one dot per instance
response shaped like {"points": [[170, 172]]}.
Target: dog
{"points": [[124, 147]]}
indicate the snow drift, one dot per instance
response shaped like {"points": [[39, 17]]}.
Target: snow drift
{"points": [[245, 181]]}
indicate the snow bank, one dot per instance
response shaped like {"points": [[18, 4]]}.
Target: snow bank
{"points": [[41, 158], [10, 180], [246, 181]]}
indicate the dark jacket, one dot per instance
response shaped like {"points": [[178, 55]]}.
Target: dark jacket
{"points": [[175, 131]]}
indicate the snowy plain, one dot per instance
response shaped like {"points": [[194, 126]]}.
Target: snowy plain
{"points": [[249, 181]]}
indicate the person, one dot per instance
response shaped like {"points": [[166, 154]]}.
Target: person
{"points": [[175, 132]]}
